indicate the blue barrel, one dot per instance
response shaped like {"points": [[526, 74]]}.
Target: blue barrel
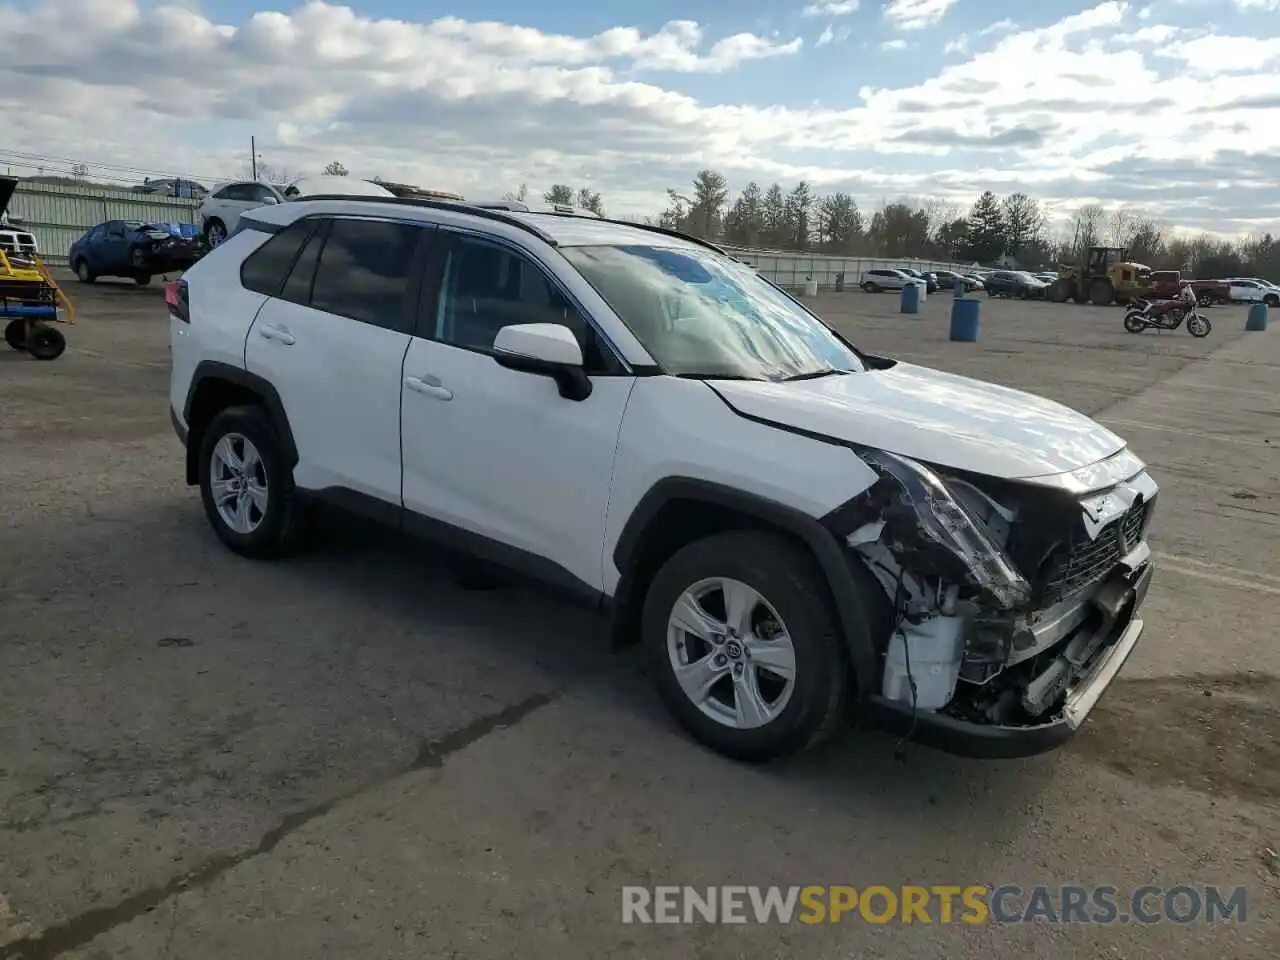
{"points": [[964, 320], [1257, 317], [911, 298]]}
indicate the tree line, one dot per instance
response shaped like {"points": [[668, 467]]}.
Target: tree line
{"points": [[995, 230]]}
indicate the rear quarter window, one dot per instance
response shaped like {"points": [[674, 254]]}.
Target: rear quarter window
{"points": [[266, 269]]}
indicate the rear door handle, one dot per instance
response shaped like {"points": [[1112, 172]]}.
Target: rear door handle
{"points": [[280, 334], [429, 386]]}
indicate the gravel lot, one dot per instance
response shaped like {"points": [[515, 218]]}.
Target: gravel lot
{"points": [[349, 755]]}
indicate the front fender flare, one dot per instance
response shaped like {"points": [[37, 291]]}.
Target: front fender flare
{"points": [[852, 605]]}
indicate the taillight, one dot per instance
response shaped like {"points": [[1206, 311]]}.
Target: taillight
{"points": [[175, 298]]}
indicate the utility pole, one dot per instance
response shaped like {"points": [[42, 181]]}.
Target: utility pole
{"points": [[253, 156]]}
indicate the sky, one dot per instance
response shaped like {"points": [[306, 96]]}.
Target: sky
{"points": [[1169, 106]]}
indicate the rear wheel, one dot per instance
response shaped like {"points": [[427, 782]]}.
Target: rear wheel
{"points": [[215, 232], [247, 486], [870, 287], [1101, 293], [1133, 322], [15, 334], [744, 646], [142, 279]]}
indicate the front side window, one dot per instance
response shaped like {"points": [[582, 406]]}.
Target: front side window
{"points": [[488, 286], [701, 314]]}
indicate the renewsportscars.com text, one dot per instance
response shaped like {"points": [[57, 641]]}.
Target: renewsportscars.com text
{"points": [[974, 904]]}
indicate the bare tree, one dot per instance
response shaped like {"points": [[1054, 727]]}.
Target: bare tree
{"points": [[335, 169], [560, 193], [1086, 228], [1121, 223], [521, 194]]}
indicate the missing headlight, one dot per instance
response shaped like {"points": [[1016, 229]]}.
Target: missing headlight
{"points": [[930, 532]]}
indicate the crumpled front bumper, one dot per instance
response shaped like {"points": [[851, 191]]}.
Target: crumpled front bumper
{"points": [[969, 739]]}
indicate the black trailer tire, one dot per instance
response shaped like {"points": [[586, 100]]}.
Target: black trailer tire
{"points": [[15, 333], [45, 342]]}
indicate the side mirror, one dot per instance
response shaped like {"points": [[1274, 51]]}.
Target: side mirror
{"points": [[547, 349]]}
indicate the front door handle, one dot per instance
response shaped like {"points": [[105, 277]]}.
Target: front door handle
{"points": [[429, 386], [279, 334]]}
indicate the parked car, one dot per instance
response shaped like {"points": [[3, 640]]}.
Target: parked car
{"points": [[134, 249], [930, 282], [786, 524], [947, 280], [887, 278], [1253, 291], [220, 212], [1014, 283]]}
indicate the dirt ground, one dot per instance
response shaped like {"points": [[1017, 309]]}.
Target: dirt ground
{"points": [[348, 755]]}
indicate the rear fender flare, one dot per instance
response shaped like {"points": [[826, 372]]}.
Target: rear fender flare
{"points": [[212, 370]]}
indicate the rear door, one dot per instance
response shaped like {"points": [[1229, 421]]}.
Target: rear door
{"points": [[1245, 290], [332, 340]]}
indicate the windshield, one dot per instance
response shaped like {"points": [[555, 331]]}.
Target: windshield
{"points": [[703, 315]]}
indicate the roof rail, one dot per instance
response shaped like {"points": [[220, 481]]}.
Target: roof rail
{"points": [[669, 233], [455, 205]]}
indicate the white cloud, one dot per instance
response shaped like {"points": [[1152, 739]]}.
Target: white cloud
{"points": [[832, 34], [894, 45], [916, 14], [831, 8], [481, 107]]}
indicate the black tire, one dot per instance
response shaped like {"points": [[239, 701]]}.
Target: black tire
{"points": [[142, 279], [1101, 293], [1199, 326], [83, 273], [280, 530], [15, 334], [215, 232], [870, 287], [1133, 322], [790, 580], [1271, 300], [45, 342]]}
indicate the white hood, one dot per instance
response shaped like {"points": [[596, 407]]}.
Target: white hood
{"points": [[932, 416]]}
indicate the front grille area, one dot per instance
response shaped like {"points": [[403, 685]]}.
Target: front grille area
{"points": [[1084, 562]]}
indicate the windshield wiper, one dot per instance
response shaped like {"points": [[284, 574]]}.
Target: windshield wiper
{"points": [[815, 374]]}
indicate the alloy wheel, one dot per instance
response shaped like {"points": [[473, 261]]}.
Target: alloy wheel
{"points": [[238, 482], [731, 653]]}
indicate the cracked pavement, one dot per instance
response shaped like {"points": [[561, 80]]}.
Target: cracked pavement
{"points": [[349, 754]]}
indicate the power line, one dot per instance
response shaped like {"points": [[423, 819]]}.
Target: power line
{"points": [[69, 165]]}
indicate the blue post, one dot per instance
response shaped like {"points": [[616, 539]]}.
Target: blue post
{"points": [[1257, 318], [964, 320], [911, 298]]}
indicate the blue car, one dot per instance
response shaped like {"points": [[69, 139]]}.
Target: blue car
{"points": [[135, 249]]}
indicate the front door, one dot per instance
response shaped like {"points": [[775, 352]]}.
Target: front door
{"points": [[497, 452]]}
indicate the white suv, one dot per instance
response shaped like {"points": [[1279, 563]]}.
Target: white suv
{"points": [[787, 524]]}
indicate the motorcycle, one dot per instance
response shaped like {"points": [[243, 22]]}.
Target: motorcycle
{"points": [[1166, 315]]}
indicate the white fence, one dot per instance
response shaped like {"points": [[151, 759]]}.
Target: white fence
{"points": [[790, 269]]}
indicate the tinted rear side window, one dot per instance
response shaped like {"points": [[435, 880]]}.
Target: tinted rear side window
{"points": [[264, 271], [297, 289], [366, 272]]}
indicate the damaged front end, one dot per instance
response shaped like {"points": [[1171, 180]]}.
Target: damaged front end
{"points": [[1014, 602]]}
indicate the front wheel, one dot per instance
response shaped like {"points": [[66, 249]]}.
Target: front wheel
{"points": [[1134, 322], [83, 273], [15, 334], [246, 484], [45, 342], [1198, 326], [870, 288], [744, 647]]}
